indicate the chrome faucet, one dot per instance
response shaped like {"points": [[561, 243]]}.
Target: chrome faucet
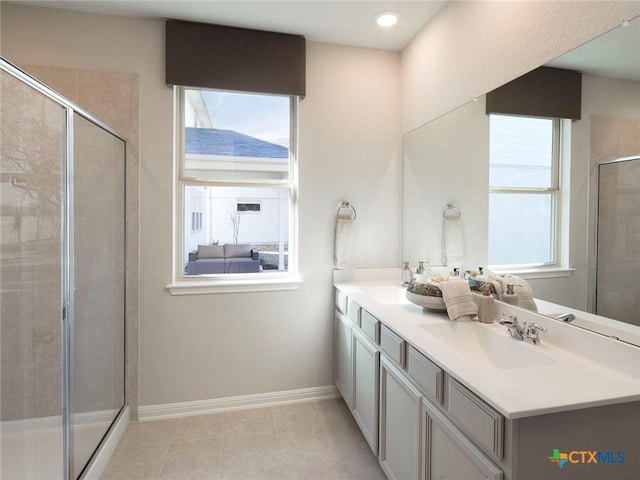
{"points": [[566, 317], [522, 331], [511, 322]]}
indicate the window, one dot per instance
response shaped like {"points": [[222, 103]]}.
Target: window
{"points": [[524, 179], [236, 185], [195, 205], [248, 207]]}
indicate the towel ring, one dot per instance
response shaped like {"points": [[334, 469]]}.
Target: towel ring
{"points": [[451, 212], [347, 205]]}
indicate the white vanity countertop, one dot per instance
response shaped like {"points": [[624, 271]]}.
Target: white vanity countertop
{"points": [[568, 370]]}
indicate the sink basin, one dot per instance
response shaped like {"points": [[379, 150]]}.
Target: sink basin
{"points": [[484, 344]]}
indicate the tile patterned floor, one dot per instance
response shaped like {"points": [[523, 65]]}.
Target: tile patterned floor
{"points": [[306, 441]]}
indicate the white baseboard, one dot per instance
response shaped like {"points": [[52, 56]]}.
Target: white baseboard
{"points": [[185, 409]]}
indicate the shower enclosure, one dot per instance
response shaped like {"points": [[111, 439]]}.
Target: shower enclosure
{"points": [[618, 240], [62, 282]]}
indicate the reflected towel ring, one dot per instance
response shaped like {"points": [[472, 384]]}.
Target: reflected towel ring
{"points": [[451, 212], [347, 205]]}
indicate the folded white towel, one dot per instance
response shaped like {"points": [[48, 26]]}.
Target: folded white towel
{"points": [[520, 287], [496, 281], [344, 254], [457, 297]]}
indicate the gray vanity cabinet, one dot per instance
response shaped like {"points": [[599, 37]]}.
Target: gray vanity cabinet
{"points": [[428, 424], [366, 375], [343, 363], [448, 454], [400, 433]]}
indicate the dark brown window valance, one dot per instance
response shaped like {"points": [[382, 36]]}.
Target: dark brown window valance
{"points": [[228, 58], [543, 92]]}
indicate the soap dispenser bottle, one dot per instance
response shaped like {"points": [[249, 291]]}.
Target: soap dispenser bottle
{"points": [[510, 297], [407, 274], [485, 305]]}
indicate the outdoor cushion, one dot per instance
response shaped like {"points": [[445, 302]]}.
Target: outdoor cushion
{"points": [[232, 250], [210, 251]]}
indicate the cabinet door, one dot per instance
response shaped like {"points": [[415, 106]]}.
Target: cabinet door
{"points": [[449, 454], [366, 374], [342, 356], [400, 409]]}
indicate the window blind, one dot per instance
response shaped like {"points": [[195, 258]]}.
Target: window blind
{"points": [[543, 92], [214, 56]]}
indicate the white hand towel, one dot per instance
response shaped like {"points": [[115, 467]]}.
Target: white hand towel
{"points": [[344, 254], [520, 287], [457, 297], [453, 244], [500, 283]]}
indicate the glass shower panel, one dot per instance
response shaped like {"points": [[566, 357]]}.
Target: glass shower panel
{"points": [[32, 156], [618, 255], [97, 379]]}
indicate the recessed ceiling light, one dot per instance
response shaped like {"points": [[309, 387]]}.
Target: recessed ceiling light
{"points": [[387, 19]]}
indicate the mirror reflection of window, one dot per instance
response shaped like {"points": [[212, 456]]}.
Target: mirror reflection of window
{"points": [[524, 172]]}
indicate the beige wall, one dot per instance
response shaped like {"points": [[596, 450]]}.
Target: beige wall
{"points": [[213, 346], [471, 48]]}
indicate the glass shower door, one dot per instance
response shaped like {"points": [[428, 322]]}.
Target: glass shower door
{"points": [[32, 152], [98, 348]]}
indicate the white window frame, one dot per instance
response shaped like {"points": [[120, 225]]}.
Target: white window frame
{"points": [[557, 266], [241, 282]]}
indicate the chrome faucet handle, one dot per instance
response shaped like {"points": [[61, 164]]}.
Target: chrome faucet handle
{"points": [[536, 327], [513, 326], [532, 332]]}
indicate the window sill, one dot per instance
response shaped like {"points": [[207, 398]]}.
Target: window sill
{"points": [[208, 286], [538, 273]]}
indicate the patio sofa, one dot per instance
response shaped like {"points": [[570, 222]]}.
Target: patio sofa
{"points": [[227, 258]]}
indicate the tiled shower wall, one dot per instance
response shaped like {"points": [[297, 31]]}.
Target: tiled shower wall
{"points": [[618, 267], [612, 138], [113, 99]]}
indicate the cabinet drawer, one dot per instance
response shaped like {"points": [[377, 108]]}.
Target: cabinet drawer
{"points": [[393, 345], [341, 301], [425, 373], [370, 326], [478, 420], [353, 311]]}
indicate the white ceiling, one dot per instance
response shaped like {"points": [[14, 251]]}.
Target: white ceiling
{"points": [[341, 22]]}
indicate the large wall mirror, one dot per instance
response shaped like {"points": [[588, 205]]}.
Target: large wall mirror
{"points": [[447, 162]]}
